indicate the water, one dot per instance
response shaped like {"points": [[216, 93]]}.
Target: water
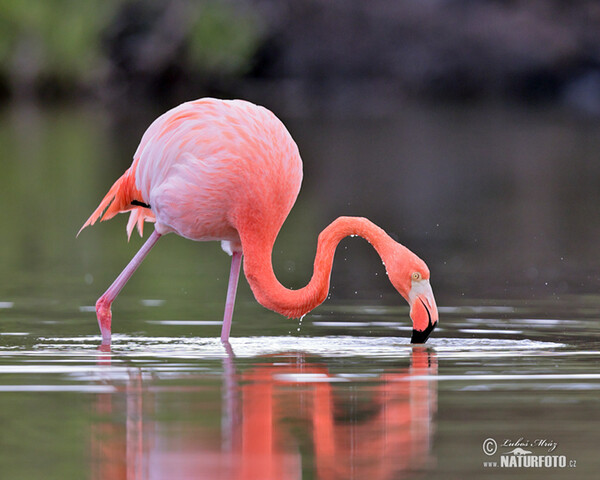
{"points": [[501, 204], [359, 403]]}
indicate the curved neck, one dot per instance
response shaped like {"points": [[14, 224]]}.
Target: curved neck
{"points": [[295, 303]]}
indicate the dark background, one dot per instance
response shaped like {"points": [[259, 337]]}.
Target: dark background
{"points": [[467, 129]]}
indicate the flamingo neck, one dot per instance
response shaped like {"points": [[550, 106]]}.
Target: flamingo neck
{"points": [[270, 293]]}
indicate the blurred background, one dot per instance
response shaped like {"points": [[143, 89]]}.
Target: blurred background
{"points": [[468, 129]]}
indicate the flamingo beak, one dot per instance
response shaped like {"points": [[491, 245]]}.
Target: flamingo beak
{"points": [[423, 310]]}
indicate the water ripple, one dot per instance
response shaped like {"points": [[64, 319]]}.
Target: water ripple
{"points": [[327, 346]]}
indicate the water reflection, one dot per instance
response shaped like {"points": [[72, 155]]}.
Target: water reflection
{"points": [[281, 416]]}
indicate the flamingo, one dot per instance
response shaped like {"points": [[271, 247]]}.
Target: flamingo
{"points": [[229, 170]]}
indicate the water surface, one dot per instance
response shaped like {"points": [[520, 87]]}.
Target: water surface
{"points": [[333, 401]]}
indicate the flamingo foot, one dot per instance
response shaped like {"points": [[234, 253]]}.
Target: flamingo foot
{"points": [[104, 318]]}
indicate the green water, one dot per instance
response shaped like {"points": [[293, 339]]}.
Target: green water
{"points": [[501, 205]]}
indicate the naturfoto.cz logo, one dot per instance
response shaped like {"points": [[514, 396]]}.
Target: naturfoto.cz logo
{"points": [[523, 453]]}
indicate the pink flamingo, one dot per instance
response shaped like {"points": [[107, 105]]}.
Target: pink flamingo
{"points": [[230, 171]]}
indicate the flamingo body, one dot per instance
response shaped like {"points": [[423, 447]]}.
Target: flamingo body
{"points": [[205, 164], [230, 171]]}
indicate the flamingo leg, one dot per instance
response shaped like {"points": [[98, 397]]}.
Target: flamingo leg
{"points": [[234, 275], [104, 302]]}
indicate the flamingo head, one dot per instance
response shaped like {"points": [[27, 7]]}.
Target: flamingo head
{"points": [[410, 276], [423, 309]]}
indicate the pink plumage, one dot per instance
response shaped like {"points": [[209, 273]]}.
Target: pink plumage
{"points": [[229, 170], [201, 161]]}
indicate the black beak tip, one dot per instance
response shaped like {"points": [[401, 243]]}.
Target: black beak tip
{"points": [[421, 337]]}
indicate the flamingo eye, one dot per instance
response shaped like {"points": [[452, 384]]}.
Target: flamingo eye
{"points": [[416, 276]]}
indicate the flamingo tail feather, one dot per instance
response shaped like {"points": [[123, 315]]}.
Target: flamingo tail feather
{"points": [[119, 200]]}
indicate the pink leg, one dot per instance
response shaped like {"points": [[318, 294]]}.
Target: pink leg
{"points": [[234, 275], [104, 302]]}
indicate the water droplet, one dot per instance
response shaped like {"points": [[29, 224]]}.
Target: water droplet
{"points": [[290, 266], [300, 322]]}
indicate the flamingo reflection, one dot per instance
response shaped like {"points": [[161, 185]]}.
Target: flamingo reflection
{"points": [[285, 415]]}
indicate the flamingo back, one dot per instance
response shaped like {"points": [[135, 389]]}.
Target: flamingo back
{"points": [[209, 165]]}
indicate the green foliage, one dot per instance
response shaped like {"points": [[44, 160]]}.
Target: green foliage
{"points": [[222, 39], [55, 38], [61, 39]]}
